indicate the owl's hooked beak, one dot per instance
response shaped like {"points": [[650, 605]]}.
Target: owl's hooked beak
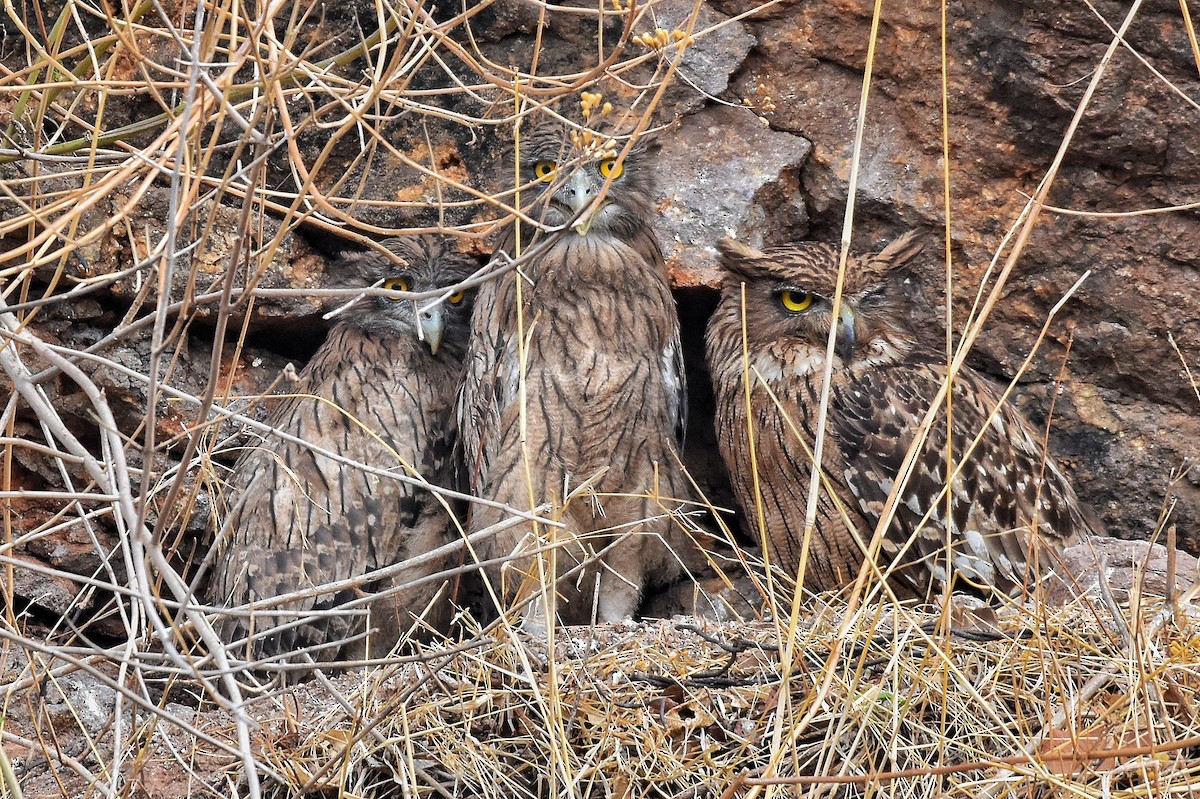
{"points": [[431, 327], [581, 191], [846, 335]]}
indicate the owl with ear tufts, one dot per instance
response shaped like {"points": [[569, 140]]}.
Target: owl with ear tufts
{"points": [[1011, 508], [336, 490], [574, 394]]}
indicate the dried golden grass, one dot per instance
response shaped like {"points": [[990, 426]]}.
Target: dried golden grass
{"points": [[872, 701], [1074, 702]]}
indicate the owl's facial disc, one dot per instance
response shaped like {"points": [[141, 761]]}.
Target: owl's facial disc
{"points": [[424, 319], [577, 198]]}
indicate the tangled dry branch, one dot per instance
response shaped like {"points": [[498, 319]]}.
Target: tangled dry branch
{"points": [[172, 176]]}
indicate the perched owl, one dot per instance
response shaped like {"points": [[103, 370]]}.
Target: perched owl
{"points": [[1007, 496], [575, 374], [380, 391]]}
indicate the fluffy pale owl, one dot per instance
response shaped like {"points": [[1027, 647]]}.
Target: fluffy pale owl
{"points": [[1011, 503], [380, 391], [574, 375]]}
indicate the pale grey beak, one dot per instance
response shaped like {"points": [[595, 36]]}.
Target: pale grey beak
{"points": [[846, 335], [432, 326], [580, 191]]}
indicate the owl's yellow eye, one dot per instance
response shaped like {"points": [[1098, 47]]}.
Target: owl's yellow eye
{"points": [[796, 301], [456, 298], [544, 170], [611, 168], [396, 284]]}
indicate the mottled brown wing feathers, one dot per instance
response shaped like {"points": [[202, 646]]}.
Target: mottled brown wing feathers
{"points": [[302, 518], [490, 368], [875, 416]]}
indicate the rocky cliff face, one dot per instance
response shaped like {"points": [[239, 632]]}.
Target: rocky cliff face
{"points": [[756, 126], [1113, 368]]}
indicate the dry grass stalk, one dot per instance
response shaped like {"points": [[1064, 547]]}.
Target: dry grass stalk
{"points": [[161, 161], [674, 709]]}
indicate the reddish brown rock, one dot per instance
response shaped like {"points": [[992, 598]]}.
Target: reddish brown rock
{"points": [[1122, 569], [48, 592], [1127, 420], [723, 174]]}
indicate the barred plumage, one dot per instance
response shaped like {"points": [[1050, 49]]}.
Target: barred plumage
{"points": [[603, 388], [379, 391], [1008, 493]]}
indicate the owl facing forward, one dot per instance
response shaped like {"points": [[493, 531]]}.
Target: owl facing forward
{"points": [[574, 394], [379, 392], [1010, 502]]}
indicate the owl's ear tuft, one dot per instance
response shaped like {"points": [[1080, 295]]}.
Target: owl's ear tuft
{"points": [[646, 146], [901, 251], [363, 267], [355, 269], [542, 139], [409, 251], [739, 258], [455, 267]]}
